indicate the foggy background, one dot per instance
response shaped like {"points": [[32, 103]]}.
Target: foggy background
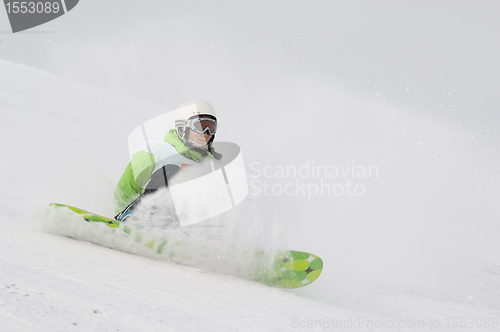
{"points": [[434, 57]]}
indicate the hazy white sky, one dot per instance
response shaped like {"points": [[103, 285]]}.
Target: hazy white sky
{"points": [[440, 57]]}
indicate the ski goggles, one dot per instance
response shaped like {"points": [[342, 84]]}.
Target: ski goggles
{"points": [[202, 125]]}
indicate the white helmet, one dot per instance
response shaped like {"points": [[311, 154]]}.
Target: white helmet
{"points": [[190, 109]]}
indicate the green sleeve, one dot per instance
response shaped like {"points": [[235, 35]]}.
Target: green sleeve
{"points": [[137, 173], [143, 165]]}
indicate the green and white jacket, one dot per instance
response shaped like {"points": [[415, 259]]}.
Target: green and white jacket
{"points": [[152, 156]]}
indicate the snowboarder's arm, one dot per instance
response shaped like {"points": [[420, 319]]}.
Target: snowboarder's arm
{"points": [[136, 175], [143, 165]]}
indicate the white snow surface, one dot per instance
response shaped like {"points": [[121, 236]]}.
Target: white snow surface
{"points": [[419, 251]]}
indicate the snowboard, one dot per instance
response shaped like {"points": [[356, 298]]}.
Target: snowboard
{"points": [[283, 269]]}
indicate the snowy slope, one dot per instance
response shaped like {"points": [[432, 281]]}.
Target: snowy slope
{"points": [[51, 283], [65, 142]]}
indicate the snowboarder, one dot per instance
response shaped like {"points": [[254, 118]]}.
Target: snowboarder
{"points": [[151, 168]]}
